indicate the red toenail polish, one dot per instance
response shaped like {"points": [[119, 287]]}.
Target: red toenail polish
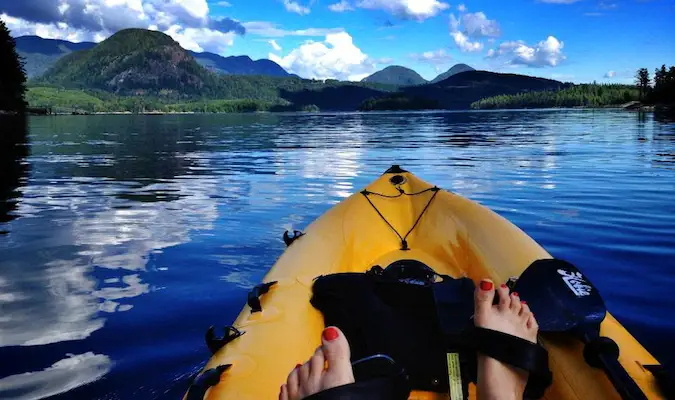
{"points": [[503, 285], [330, 334], [515, 294], [523, 302], [298, 366], [485, 285]]}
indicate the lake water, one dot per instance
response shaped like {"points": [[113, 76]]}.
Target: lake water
{"points": [[125, 237]]}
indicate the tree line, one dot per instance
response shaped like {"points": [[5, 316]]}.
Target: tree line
{"points": [[586, 95], [660, 90]]}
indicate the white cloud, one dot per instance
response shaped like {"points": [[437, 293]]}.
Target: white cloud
{"points": [[274, 45], [94, 20], [201, 39], [547, 53], [472, 26], [413, 9], [342, 6], [334, 58], [295, 7], [477, 25], [62, 376], [461, 8], [433, 57], [269, 29], [223, 4], [610, 74], [464, 44]]}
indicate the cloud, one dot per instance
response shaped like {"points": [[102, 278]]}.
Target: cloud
{"points": [[560, 1], [610, 74], [432, 57], [547, 53], [274, 45], [270, 29], [464, 44], [79, 20], [62, 376], [477, 25], [593, 14], [334, 58], [461, 8], [201, 40], [223, 4], [409, 9], [295, 7], [342, 6]]}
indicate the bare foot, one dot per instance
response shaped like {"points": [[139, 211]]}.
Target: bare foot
{"points": [[329, 367], [496, 380]]}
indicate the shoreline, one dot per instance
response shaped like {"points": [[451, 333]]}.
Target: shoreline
{"points": [[148, 113]]}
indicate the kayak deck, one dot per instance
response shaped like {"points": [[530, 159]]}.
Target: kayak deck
{"points": [[454, 236]]}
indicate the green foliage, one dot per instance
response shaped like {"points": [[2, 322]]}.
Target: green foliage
{"points": [[399, 102], [12, 74], [588, 95], [47, 97], [642, 81], [664, 86]]}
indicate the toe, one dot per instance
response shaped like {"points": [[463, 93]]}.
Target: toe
{"points": [[532, 323], [303, 374], [317, 364], [484, 296], [283, 393], [515, 303], [524, 310], [504, 297], [335, 348], [292, 385]]}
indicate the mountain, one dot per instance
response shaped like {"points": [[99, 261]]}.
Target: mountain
{"points": [[396, 75], [132, 61], [462, 89], [238, 65], [456, 69], [41, 54]]}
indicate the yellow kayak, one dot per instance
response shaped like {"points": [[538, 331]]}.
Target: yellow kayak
{"points": [[447, 232]]}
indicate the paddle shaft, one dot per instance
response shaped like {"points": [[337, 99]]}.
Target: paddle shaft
{"points": [[617, 374]]}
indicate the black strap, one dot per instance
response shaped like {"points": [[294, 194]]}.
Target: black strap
{"points": [[393, 385], [401, 192], [514, 351]]}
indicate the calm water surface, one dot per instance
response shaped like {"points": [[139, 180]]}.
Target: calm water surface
{"points": [[124, 237]]}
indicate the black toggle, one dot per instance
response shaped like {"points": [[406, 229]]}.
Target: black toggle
{"points": [[395, 169], [601, 345], [215, 343], [290, 239], [204, 381], [255, 293]]}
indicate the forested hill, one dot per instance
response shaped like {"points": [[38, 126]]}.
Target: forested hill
{"points": [[460, 90], [396, 75], [456, 69], [40, 54]]}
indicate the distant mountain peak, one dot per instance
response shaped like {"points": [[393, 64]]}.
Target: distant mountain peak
{"points": [[41, 54], [454, 70], [396, 75]]}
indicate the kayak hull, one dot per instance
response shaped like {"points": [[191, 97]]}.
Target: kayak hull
{"points": [[454, 236]]}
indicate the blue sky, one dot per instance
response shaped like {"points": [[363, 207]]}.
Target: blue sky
{"points": [[570, 40]]}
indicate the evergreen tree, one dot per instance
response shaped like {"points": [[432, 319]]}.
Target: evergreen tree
{"points": [[12, 74], [642, 81]]}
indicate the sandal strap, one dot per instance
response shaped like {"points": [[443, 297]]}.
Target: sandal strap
{"points": [[514, 351]]}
